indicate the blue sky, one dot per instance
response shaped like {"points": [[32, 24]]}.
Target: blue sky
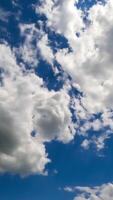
{"points": [[75, 168], [56, 103]]}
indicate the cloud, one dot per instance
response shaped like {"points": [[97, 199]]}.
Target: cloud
{"points": [[90, 61], [91, 51], [68, 189], [4, 15], [16, 107], [45, 50], [103, 192], [26, 107], [54, 123], [35, 45], [63, 16]]}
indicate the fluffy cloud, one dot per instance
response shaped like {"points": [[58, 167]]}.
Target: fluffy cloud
{"points": [[35, 45], [90, 62], [54, 123], [26, 106], [16, 107], [62, 16], [91, 51], [45, 50], [103, 192], [91, 59]]}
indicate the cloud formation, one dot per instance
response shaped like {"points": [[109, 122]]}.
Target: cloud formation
{"points": [[91, 51], [91, 59], [90, 62], [30, 114], [26, 106], [103, 192]]}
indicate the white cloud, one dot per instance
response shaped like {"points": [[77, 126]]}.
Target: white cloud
{"points": [[90, 63], [62, 16], [35, 45], [16, 107], [45, 50], [98, 141], [92, 51], [103, 192], [28, 50], [68, 189], [54, 117], [26, 106]]}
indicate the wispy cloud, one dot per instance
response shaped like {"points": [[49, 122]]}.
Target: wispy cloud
{"points": [[4, 15]]}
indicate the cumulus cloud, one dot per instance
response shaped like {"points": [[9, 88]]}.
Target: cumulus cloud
{"points": [[57, 120], [62, 16], [103, 192], [45, 50], [26, 106], [91, 51], [19, 152], [90, 61], [28, 50]]}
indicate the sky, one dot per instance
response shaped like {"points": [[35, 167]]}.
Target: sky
{"points": [[56, 100]]}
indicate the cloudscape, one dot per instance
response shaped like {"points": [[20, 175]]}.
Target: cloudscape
{"points": [[56, 99]]}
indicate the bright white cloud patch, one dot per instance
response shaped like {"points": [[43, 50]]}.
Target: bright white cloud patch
{"points": [[62, 16], [54, 118], [26, 106], [28, 50], [90, 64], [35, 45], [103, 192], [90, 61]]}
